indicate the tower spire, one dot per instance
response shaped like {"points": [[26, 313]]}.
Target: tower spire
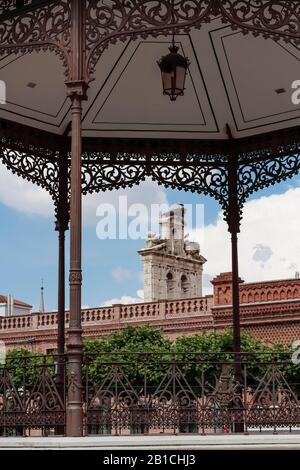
{"points": [[42, 301]]}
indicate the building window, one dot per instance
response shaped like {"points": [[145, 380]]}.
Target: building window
{"points": [[184, 285], [170, 285]]}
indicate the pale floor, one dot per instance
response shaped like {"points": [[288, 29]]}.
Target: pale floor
{"points": [[186, 442]]}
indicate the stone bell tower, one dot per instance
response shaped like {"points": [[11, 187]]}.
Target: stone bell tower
{"points": [[173, 266]]}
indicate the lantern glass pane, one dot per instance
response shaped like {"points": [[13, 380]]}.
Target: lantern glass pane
{"points": [[167, 81], [180, 78]]}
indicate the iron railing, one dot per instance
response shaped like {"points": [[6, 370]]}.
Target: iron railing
{"points": [[144, 393], [190, 393], [32, 396]]}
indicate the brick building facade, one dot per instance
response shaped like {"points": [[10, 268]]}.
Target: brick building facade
{"points": [[270, 311]]}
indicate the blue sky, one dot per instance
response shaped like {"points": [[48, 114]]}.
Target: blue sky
{"points": [[269, 246]]}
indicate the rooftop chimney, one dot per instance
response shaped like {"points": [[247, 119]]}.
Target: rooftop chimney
{"points": [[10, 305]]}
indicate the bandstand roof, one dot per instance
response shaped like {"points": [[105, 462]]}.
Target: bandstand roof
{"points": [[235, 121], [234, 79]]}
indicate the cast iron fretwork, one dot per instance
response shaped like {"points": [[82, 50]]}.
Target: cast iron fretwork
{"points": [[38, 25], [41, 26], [107, 22], [203, 174], [29, 398], [195, 394], [259, 173], [190, 173], [23, 151], [34, 25], [39, 157], [152, 392]]}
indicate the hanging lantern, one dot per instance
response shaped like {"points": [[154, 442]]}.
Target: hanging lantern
{"points": [[173, 72]]}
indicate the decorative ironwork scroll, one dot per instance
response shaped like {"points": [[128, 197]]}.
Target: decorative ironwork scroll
{"points": [[111, 175], [35, 25], [272, 401], [109, 21], [153, 392], [202, 178], [106, 22], [36, 156], [190, 173], [195, 393], [24, 152], [273, 19], [267, 159], [45, 27], [261, 173], [29, 396]]}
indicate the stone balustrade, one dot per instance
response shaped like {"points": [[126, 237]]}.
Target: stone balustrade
{"points": [[115, 314], [269, 311]]}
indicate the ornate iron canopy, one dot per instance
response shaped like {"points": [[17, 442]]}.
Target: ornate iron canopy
{"points": [[189, 153]]}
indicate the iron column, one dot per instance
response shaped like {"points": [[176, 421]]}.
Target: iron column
{"points": [[77, 92], [233, 220]]}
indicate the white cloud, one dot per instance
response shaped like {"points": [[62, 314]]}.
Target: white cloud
{"points": [[140, 293], [269, 242], [24, 196], [19, 194], [147, 193], [121, 274], [125, 299]]}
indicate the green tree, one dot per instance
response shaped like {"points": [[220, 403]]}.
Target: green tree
{"points": [[144, 353], [136, 352], [25, 367], [203, 355]]}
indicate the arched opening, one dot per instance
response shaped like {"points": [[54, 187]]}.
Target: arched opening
{"points": [[170, 285], [184, 285]]}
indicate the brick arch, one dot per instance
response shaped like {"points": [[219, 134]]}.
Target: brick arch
{"points": [[269, 295], [276, 295], [295, 293]]}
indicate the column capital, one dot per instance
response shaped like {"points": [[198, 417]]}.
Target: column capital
{"points": [[77, 88]]}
